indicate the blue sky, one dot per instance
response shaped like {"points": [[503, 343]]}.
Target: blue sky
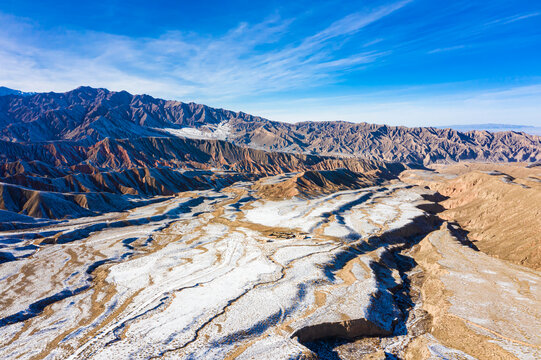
{"points": [[412, 62]]}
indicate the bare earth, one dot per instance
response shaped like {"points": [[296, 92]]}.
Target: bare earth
{"points": [[387, 270], [499, 205]]}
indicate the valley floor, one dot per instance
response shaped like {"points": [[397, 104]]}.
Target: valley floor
{"points": [[368, 273]]}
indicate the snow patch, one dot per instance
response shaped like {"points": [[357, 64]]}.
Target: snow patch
{"points": [[206, 132]]}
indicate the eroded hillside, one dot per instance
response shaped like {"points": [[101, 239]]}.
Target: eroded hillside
{"points": [[134, 227], [497, 205], [352, 274], [67, 180]]}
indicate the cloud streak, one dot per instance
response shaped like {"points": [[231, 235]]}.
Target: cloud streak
{"points": [[346, 64], [180, 65]]}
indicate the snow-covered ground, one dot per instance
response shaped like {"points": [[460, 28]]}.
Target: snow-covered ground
{"points": [[497, 298], [206, 132], [211, 275]]}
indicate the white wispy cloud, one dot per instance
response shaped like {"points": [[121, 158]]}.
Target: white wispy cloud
{"points": [[513, 18], [266, 60], [183, 65], [355, 22], [429, 105], [446, 49], [521, 17]]}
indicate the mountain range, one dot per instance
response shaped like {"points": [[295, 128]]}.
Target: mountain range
{"points": [[136, 227], [100, 144], [7, 91], [87, 116]]}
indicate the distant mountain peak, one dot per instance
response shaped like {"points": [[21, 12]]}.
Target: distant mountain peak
{"points": [[493, 127], [90, 89], [7, 91]]}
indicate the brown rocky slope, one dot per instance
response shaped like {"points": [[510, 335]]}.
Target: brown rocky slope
{"points": [[500, 212], [65, 179], [311, 183]]}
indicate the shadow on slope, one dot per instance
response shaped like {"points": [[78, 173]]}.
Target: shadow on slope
{"points": [[389, 313]]}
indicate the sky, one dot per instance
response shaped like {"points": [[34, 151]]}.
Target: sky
{"points": [[408, 62]]}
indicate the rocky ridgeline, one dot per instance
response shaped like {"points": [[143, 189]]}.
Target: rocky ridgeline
{"points": [[89, 115]]}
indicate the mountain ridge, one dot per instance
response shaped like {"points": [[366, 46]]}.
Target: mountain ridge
{"points": [[66, 179], [492, 127], [7, 91], [87, 115]]}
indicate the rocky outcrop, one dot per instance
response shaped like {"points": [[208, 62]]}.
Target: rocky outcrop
{"points": [[347, 329]]}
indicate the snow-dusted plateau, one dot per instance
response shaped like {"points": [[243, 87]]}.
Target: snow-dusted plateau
{"points": [[229, 274]]}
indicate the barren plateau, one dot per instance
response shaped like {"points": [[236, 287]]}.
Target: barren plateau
{"points": [[365, 272]]}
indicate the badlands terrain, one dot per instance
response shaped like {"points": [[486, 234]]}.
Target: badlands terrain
{"points": [[139, 228]]}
